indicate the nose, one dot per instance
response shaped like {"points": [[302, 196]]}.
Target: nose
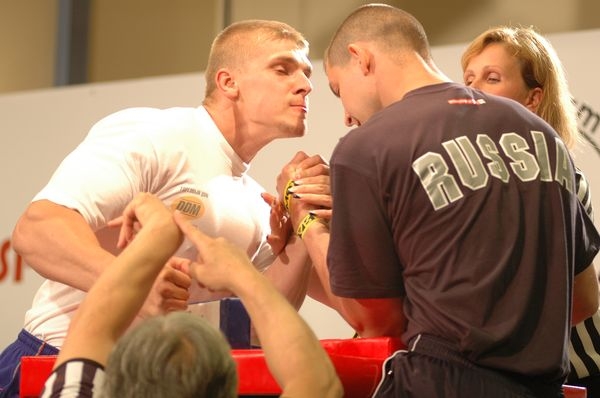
{"points": [[475, 83], [305, 85]]}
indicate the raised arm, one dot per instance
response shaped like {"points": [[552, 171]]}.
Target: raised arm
{"points": [[291, 270], [369, 317], [119, 293], [294, 355]]}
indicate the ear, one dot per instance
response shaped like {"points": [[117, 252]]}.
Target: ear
{"points": [[534, 99], [362, 56], [226, 83]]}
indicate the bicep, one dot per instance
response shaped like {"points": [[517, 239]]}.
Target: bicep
{"points": [[43, 221], [48, 235], [585, 294]]}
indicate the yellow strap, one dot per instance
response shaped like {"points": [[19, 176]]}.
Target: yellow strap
{"points": [[307, 222], [287, 195]]}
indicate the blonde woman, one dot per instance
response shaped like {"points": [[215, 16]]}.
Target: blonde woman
{"points": [[519, 63]]}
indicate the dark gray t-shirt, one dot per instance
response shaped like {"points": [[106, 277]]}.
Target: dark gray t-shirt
{"points": [[464, 204]]}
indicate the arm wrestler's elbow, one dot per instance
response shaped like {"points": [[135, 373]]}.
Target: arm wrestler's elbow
{"points": [[585, 295]]}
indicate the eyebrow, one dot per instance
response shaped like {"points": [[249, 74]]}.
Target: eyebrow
{"points": [[288, 59]]}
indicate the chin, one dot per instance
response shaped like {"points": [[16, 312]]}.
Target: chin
{"points": [[297, 130], [300, 132]]}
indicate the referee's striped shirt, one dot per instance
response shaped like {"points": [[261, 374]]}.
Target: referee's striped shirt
{"points": [[76, 378], [584, 347]]}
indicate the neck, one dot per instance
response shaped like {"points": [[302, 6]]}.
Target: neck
{"points": [[236, 131], [413, 73]]}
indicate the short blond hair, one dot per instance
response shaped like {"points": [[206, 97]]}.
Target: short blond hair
{"points": [[236, 44], [540, 67]]}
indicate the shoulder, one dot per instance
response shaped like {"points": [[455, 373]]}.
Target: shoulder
{"points": [[136, 128], [351, 145], [127, 115], [130, 119]]}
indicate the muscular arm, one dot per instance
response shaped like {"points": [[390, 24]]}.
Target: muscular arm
{"points": [[295, 356], [293, 353], [369, 317], [585, 295], [58, 244], [290, 272], [113, 301]]}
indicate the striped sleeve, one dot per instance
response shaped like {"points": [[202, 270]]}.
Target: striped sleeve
{"points": [[584, 345], [76, 378], [584, 348]]}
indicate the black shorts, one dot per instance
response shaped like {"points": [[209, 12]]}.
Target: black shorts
{"points": [[432, 370]]}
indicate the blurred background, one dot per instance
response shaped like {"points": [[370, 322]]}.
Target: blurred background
{"points": [[59, 42]]}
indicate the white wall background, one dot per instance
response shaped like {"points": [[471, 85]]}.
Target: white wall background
{"points": [[38, 128]]}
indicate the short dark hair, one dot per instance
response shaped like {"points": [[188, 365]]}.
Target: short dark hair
{"points": [[391, 28]]}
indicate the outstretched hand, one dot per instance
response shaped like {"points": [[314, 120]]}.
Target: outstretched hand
{"points": [[170, 290], [219, 263], [281, 226], [143, 209]]}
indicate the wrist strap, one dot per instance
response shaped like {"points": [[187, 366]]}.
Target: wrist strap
{"points": [[287, 195], [306, 222]]}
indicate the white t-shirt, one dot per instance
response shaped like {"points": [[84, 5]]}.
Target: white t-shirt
{"points": [[178, 154]]}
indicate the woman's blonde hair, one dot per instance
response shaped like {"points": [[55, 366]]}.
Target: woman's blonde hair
{"points": [[540, 67]]}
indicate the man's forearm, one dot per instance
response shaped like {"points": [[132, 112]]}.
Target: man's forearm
{"points": [[115, 299], [294, 355], [290, 271], [369, 317]]}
